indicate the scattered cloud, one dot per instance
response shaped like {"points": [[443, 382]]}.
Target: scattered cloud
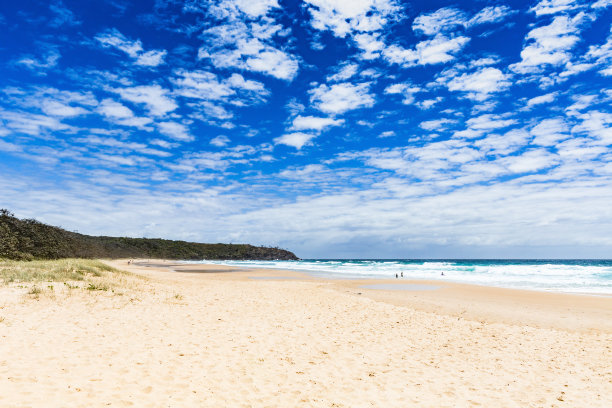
{"points": [[549, 45], [545, 7], [113, 38], [295, 139], [437, 50], [549, 131], [243, 39], [314, 123], [342, 97], [479, 85], [437, 125], [491, 15], [154, 97], [343, 18], [449, 19], [174, 130], [122, 115], [40, 65], [407, 90], [387, 133], [442, 20], [344, 72], [62, 15], [542, 99], [220, 141]]}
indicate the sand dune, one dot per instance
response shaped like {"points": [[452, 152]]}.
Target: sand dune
{"points": [[220, 339]]}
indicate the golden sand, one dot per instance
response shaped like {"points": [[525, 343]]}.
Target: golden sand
{"points": [[218, 339]]}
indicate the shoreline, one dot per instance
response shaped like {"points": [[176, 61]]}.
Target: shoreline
{"points": [[492, 304], [448, 278]]}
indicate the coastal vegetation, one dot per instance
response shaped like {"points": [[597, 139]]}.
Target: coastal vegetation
{"points": [[28, 239], [51, 277]]}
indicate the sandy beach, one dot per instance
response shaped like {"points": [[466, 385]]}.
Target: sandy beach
{"points": [[214, 336]]}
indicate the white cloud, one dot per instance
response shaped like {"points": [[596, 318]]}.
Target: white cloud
{"points": [[407, 90], [200, 85], [441, 20], [273, 62], [29, 123], [505, 144], [344, 17], [601, 4], [220, 141], [113, 109], [370, 45], [122, 115], [489, 122], [151, 58], [253, 9], [554, 6], [342, 97], [237, 81], [254, 55], [490, 15], [362, 20], [437, 125], [437, 50], [580, 102], [344, 72], [480, 84], [55, 108], [296, 139], [370, 73], [243, 38], [573, 69], [549, 45], [154, 97], [49, 60], [429, 103], [549, 131], [63, 15], [602, 56], [314, 123], [175, 131], [235, 90], [387, 133], [530, 161], [479, 125], [539, 100], [113, 38], [448, 19], [597, 125], [483, 62], [210, 109]]}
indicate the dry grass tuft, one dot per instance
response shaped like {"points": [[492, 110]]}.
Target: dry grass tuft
{"points": [[86, 274]]}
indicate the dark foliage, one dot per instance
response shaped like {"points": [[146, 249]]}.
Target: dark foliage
{"points": [[30, 239]]}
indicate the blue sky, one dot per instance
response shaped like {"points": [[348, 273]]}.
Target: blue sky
{"points": [[333, 128]]}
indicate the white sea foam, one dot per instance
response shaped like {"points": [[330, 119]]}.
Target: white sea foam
{"points": [[593, 277]]}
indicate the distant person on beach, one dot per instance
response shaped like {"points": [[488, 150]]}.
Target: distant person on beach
{"points": [[402, 274], [396, 275], [442, 274]]}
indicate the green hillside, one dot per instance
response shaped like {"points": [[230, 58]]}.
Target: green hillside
{"points": [[30, 239]]}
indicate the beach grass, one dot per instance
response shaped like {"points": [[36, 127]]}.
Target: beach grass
{"points": [[87, 274]]}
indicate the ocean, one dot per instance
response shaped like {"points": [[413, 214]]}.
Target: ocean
{"points": [[570, 276]]}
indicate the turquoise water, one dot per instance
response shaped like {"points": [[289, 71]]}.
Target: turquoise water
{"points": [[575, 276]]}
